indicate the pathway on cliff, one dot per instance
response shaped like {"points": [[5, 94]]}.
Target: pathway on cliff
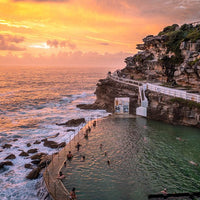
{"points": [[157, 88]]}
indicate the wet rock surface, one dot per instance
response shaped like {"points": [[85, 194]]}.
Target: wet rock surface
{"points": [[24, 154], [34, 174], [32, 151], [6, 146], [73, 122], [10, 157]]}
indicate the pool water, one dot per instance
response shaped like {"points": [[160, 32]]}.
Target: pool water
{"points": [[145, 157]]}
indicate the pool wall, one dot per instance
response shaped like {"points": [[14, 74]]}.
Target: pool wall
{"points": [[55, 186]]}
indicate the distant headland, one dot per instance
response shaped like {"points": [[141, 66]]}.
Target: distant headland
{"points": [[171, 60]]}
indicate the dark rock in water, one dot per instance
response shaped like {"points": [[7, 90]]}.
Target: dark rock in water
{"points": [[14, 140], [88, 106], [35, 162], [2, 164], [45, 161], [50, 144], [43, 140], [8, 163], [32, 151], [6, 146], [53, 136], [23, 153], [73, 122], [28, 144], [37, 142], [28, 166], [62, 144], [68, 130], [11, 156], [34, 173], [38, 156]]}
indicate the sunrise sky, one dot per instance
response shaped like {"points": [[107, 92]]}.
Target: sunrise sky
{"points": [[83, 32]]}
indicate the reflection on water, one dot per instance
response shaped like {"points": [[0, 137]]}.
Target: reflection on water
{"points": [[145, 157]]}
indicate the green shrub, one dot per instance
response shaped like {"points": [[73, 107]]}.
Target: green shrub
{"points": [[168, 29], [192, 63], [184, 102]]}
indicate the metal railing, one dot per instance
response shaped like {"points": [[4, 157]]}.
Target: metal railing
{"points": [[55, 187], [159, 89], [124, 80], [174, 92]]}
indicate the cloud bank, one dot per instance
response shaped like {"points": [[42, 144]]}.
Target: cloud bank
{"points": [[8, 42], [68, 59], [62, 44]]}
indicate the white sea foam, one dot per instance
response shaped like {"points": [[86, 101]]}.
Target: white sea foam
{"points": [[15, 186]]}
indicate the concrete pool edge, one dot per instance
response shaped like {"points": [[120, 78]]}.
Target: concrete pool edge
{"points": [[55, 187]]}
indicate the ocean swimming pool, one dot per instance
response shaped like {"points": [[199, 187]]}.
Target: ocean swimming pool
{"points": [[145, 157]]}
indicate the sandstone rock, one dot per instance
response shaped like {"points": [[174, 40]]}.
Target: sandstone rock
{"points": [[73, 122], [2, 164], [35, 162], [6, 146], [11, 156], [68, 130], [23, 153], [37, 156], [28, 166], [45, 161], [32, 151], [50, 144], [34, 174], [87, 106], [28, 144], [37, 142], [62, 144]]}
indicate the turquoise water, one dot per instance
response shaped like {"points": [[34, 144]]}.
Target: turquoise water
{"points": [[145, 157]]}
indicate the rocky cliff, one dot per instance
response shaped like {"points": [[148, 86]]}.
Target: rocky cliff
{"points": [[172, 58]]}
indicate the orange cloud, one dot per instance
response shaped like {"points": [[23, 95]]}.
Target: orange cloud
{"points": [[89, 25], [6, 42], [55, 43]]}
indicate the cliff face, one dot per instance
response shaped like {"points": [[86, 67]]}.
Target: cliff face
{"points": [[107, 90], [161, 107], [172, 57]]}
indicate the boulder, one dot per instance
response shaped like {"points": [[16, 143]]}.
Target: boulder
{"points": [[32, 151], [23, 153], [28, 144], [28, 166], [62, 144], [34, 173], [53, 136], [37, 156], [50, 144], [11, 156], [2, 164], [45, 161], [68, 130], [14, 140], [35, 162], [73, 122], [6, 146], [87, 106], [37, 142]]}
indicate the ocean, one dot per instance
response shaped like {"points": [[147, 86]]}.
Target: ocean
{"points": [[32, 101]]}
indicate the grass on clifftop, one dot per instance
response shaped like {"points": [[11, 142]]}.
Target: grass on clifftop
{"points": [[176, 35], [186, 103]]}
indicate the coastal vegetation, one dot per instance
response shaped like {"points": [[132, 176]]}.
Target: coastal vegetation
{"points": [[185, 102]]}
